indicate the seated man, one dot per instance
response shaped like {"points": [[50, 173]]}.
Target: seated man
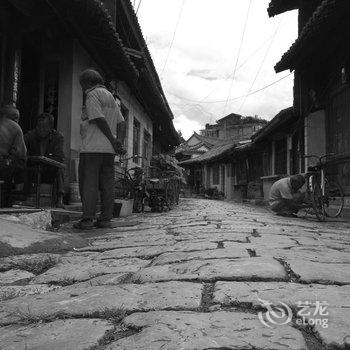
{"points": [[44, 140], [285, 197], [12, 151]]}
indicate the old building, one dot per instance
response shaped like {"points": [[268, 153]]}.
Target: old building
{"points": [[233, 127], [46, 44], [201, 153], [320, 59]]}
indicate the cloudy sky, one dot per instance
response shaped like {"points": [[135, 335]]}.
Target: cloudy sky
{"points": [[209, 54]]}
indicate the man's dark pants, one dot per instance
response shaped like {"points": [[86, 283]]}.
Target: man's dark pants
{"points": [[96, 173]]}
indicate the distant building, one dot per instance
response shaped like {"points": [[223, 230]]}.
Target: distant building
{"points": [[195, 146], [233, 127]]}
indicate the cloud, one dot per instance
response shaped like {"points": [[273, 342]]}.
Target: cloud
{"points": [[202, 59], [186, 125]]}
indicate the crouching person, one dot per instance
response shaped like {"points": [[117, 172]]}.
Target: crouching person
{"points": [[285, 198]]}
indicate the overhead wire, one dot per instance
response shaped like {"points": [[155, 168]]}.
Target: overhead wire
{"points": [[238, 55], [249, 57], [173, 38], [234, 98], [261, 65], [138, 6]]}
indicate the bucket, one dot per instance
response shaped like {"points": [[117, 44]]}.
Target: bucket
{"points": [[116, 209]]}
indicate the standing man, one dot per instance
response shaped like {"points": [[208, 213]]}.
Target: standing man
{"points": [[101, 118], [12, 151]]}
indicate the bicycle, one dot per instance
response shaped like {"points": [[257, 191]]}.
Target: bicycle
{"points": [[327, 196], [130, 184]]}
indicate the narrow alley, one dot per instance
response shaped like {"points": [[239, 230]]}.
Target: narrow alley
{"points": [[206, 275]]}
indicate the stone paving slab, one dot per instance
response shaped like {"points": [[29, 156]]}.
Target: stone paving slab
{"points": [[82, 299], [77, 334], [15, 275], [217, 330], [211, 270], [102, 245], [316, 254], [33, 260], [272, 241], [232, 293], [133, 252], [337, 334], [329, 273], [215, 236], [170, 258], [10, 292], [83, 268]]}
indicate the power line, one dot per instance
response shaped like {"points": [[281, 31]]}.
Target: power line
{"points": [[239, 67], [172, 40], [261, 65], [239, 52], [137, 10], [235, 98]]}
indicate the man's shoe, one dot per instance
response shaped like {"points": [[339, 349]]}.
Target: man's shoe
{"points": [[84, 225], [103, 224]]}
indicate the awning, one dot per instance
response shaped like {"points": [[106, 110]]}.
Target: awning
{"points": [[330, 18]]}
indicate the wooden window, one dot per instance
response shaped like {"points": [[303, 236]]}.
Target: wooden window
{"points": [[136, 140], [146, 150]]}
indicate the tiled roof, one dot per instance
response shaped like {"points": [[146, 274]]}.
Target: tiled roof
{"points": [[211, 140], [219, 152], [282, 117], [212, 154], [279, 6], [324, 20], [94, 26]]}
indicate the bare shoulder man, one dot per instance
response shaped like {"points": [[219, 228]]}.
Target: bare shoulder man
{"points": [[12, 150]]}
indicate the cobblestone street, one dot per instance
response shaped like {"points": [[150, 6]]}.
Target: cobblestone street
{"points": [[198, 277]]}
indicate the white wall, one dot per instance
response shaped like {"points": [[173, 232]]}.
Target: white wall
{"points": [[135, 111]]}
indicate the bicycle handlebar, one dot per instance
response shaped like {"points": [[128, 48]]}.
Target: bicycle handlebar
{"points": [[320, 158]]}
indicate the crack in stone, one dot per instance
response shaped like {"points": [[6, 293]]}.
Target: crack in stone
{"points": [[207, 296], [293, 277]]}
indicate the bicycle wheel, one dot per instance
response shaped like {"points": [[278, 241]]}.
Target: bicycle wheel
{"points": [[123, 189], [333, 199], [317, 202]]}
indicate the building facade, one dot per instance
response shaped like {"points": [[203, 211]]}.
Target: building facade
{"points": [[46, 44], [233, 127], [320, 59]]}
